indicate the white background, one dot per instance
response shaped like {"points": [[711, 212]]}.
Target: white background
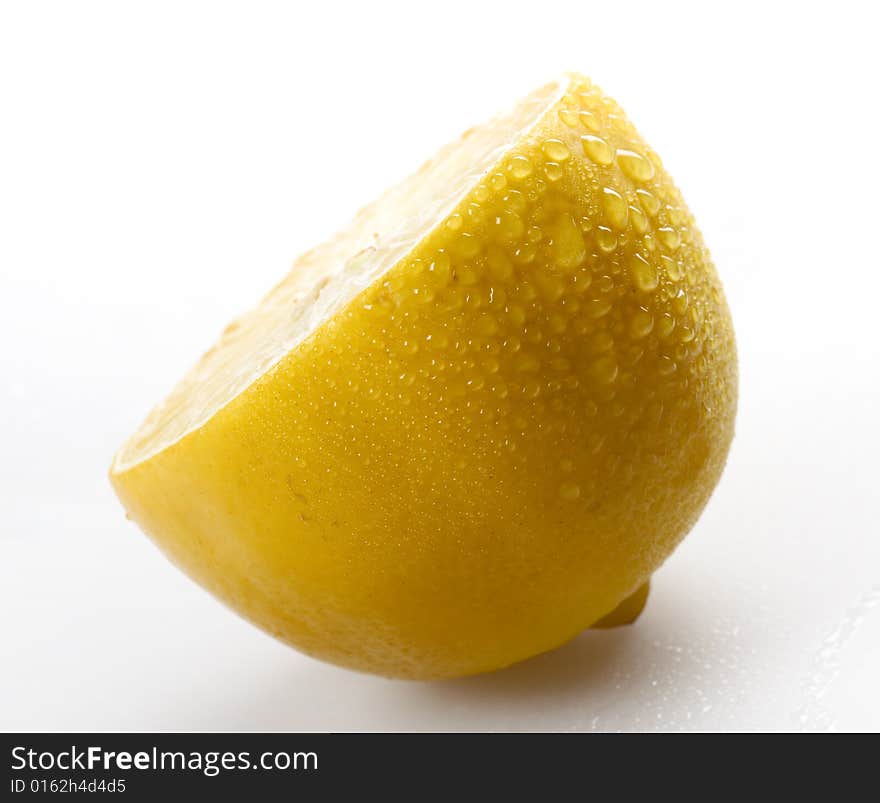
{"points": [[162, 163]]}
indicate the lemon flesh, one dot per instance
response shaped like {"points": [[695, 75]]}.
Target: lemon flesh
{"points": [[472, 423]]}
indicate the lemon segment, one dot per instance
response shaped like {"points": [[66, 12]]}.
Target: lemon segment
{"points": [[471, 424]]}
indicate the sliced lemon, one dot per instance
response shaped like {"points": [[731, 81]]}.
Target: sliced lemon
{"points": [[472, 423]]}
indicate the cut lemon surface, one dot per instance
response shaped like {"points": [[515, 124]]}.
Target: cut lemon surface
{"points": [[471, 424]]}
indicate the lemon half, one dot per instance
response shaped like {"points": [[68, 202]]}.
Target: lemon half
{"points": [[472, 423]]}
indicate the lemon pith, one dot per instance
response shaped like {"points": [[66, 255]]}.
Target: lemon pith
{"points": [[495, 426]]}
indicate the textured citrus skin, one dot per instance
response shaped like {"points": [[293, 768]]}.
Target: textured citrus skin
{"points": [[489, 448]]}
